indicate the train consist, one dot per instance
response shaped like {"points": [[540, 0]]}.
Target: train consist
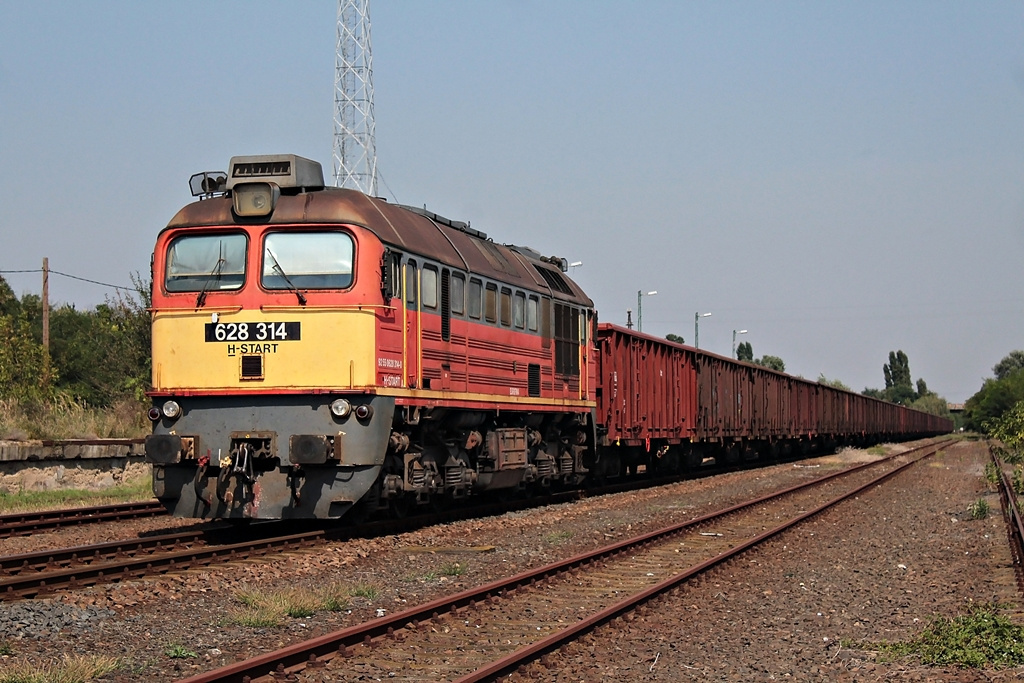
{"points": [[320, 353]]}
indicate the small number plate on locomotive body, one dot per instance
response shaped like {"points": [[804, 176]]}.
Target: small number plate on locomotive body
{"points": [[242, 332]]}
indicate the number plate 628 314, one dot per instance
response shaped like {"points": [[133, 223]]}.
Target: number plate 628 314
{"points": [[241, 332]]}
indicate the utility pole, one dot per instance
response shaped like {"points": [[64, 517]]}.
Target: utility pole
{"points": [[46, 321], [355, 148]]}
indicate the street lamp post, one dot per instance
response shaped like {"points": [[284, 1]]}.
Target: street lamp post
{"points": [[639, 311], [734, 333], [696, 319]]}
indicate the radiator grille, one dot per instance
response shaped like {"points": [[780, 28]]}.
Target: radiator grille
{"points": [[533, 379], [252, 367]]}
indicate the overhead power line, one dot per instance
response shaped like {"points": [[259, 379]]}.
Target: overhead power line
{"points": [[73, 277]]}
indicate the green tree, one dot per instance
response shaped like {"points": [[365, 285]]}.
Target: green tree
{"points": [[897, 371], [931, 403], [771, 362], [1009, 427], [98, 356], [675, 338], [835, 383], [8, 302], [21, 361], [1013, 362], [745, 352], [899, 388], [993, 400], [103, 355]]}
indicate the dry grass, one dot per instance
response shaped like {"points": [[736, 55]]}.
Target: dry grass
{"points": [[65, 418], [264, 608], [70, 669]]}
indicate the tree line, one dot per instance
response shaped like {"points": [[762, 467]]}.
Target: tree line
{"points": [[96, 357], [900, 388], [1000, 399]]}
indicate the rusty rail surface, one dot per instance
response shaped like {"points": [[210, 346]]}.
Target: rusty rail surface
{"points": [[25, 523], [1014, 522], [123, 560], [397, 627]]}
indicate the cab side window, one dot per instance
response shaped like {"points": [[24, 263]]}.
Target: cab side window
{"points": [[428, 286], [519, 310], [474, 304], [491, 303], [506, 306], [458, 294]]}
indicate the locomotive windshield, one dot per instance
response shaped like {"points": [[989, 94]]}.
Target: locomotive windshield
{"points": [[206, 262], [307, 260]]}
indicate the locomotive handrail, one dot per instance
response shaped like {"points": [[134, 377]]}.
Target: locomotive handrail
{"points": [[192, 309], [335, 307]]}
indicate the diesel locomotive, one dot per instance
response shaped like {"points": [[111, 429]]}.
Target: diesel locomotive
{"points": [[316, 350], [319, 353]]}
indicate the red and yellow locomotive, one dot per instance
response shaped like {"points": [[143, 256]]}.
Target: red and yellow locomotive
{"points": [[316, 350]]}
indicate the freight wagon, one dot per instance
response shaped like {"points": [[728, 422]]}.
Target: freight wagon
{"points": [[667, 405]]}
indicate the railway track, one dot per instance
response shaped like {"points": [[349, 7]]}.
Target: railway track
{"points": [[33, 574], [25, 523], [39, 573], [1015, 517], [490, 631]]}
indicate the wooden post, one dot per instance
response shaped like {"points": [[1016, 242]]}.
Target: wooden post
{"points": [[46, 322]]}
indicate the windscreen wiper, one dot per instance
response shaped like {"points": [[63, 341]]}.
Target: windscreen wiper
{"points": [[280, 271], [216, 272]]}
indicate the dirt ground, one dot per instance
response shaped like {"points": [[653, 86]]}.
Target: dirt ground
{"points": [[878, 568]]}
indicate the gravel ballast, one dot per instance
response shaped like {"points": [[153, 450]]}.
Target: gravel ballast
{"points": [[878, 568]]}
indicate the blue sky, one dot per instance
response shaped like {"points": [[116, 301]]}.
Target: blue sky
{"points": [[842, 179]]}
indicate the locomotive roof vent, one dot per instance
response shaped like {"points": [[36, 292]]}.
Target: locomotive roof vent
{"points": [[462, 226], [284, 170]]}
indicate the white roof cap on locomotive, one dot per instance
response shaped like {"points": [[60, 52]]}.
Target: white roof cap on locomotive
{"points": [[284, 170]]}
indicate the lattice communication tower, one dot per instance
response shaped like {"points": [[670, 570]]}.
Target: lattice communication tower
{"points": [[355, 150]]}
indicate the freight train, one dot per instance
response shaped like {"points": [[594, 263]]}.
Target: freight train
{"points": [[319, 353]]}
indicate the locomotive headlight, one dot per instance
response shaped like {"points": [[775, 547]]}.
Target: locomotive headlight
{"points": [[171, 410], [341, 408], [255, 199]]}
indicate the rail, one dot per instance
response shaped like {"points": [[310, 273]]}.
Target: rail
{"points": [[25, 523], [1015, 524], [378, 633]]}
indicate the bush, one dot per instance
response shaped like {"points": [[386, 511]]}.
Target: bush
{"points": [[982, 637], [1009, 429]]}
